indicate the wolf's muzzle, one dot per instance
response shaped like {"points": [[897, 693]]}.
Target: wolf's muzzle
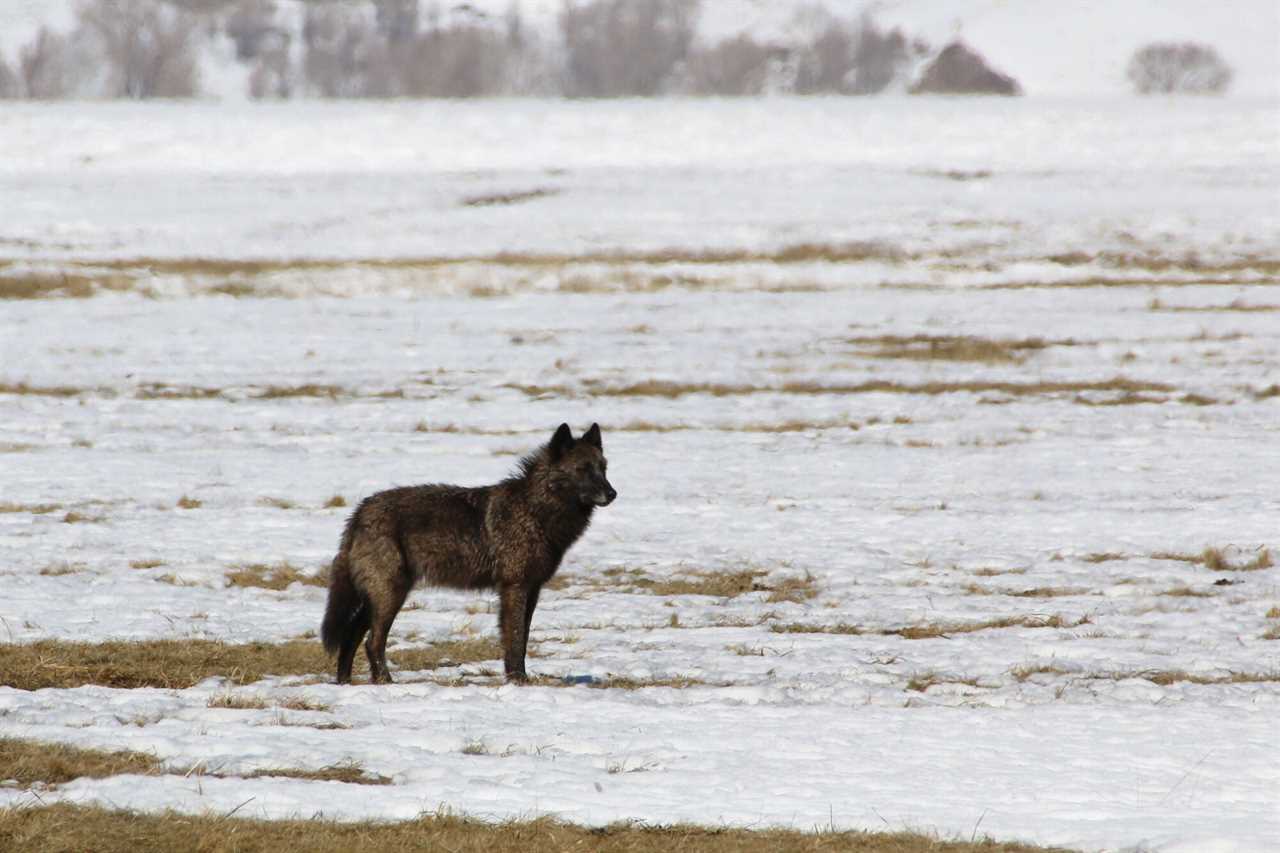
{"points": [[606, 497]]}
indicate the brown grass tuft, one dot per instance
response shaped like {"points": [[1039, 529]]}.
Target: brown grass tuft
{"points": [[1215, 559], [335, 502], [29, 762], [497, 199], [351, 773], [34, 509], [277, 503], [278, 577], [186, 502], [71, 827], [59, 569], [146, 564], [952, 348], [1104, 557], [283, 392]]}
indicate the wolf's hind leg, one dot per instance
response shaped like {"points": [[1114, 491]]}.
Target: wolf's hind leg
{"points": [[351, 642], [380, 626]]}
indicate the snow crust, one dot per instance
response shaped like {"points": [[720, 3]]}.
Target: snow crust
{"points": [[905, 509]]}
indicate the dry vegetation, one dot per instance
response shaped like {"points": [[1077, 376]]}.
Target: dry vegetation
{"points": [[933, 630], [727, 583], [1215, 559], [671, 389], [178, 664], [28, 762], [952, 348], [278, 577], [68, 827]]}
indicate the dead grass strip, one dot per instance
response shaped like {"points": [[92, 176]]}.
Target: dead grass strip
{"points": [[935, 630], [275, 577], [673, 389], [29, 762], [179, 664], [964, 348], [1215, 559], [72, 827]]}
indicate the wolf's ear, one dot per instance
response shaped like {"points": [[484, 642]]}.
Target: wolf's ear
{"points": [[561, 441], [592, 436]]}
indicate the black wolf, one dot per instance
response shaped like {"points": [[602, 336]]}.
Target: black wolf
{"points": [[511, 535]]}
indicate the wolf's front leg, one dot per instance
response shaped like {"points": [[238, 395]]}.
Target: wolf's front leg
{"points": [[514, 629]]}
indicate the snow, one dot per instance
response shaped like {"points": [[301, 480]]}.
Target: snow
{"points": [[940, 508]]}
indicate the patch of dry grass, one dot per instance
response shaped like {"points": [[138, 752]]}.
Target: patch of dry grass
{"points": [[351, 773], [277, 577], [179, 664], [1215, 559], [22, 389], [276, 503], [671, 389], [29, 762], [279, 392], [75, 517], [1026, 671], [70, 827], [1049, 592], [186, 502], [46, 286], [146, 564], [501, 199], [58, 569], [964, 348], [1166, 677], [1187, 592], [173, 664], [921, 682], [724, 583], [165, 391], [446, 653], [335, 502], [1104, 557], [934, 630], [34, 509]]}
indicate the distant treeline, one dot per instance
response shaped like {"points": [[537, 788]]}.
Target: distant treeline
{"points": [[410, 49]]}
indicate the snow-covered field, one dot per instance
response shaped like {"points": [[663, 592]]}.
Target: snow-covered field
{"points": [[999, 636]]}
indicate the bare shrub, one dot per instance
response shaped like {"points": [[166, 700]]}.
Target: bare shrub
{"points": [[736, 66], [1178, 68], [461, 61], [9, 87], [46, 69], [850, 58], [625, 47], [397, 20], [147, 49], [340, 46], [959, 70], [251, 25]]}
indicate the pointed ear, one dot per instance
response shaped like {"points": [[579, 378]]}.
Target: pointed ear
{"points": [[592, 436], [561, 442]]}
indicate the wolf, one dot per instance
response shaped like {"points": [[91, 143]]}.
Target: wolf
{"points": [[510, 536]]}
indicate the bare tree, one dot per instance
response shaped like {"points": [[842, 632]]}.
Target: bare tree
{"points": [[148, 50], [250, 25], [1172, 68], [624, 47], [736, 66], [397, 19], [46, 69], [9, 86], [340, 48], [463, 61]]}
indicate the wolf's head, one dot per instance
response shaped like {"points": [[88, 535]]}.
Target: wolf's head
{"points": [[578, 466]]}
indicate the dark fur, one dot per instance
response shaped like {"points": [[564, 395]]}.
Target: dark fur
{"points": [[510, 536]]}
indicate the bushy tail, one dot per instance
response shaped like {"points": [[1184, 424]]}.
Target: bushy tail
{"points": [[345, 604]]}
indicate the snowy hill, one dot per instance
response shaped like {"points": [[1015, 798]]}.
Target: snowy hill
{"points": [[1052, 48]]}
